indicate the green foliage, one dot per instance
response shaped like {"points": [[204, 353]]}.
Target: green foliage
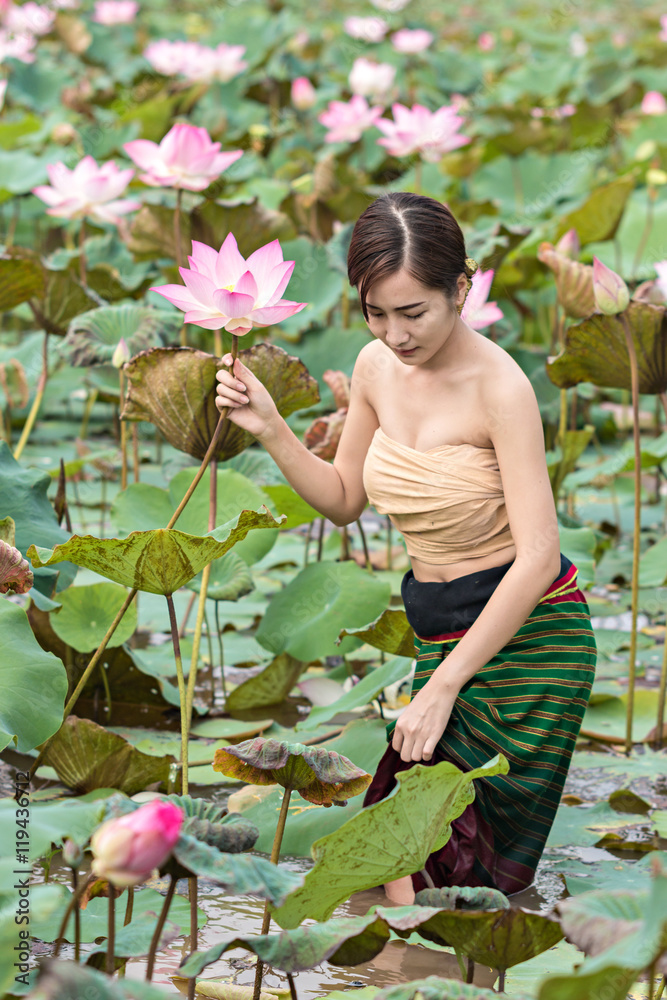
{"points": [[86, 613]]}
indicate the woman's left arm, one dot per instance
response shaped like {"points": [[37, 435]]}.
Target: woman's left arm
{"points": [[516, 432]]}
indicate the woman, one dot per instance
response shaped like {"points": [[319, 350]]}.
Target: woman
{"points": [[443, 433]]}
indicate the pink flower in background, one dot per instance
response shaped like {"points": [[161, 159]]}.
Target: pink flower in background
{"points": [[569, 244], [197, 63], [391, 5], [223, 290], [127, 849], [486, 41], [661, 271], [185, 158], [371, 79], [418, 130], [477, 312], [565, 111], [663, 28], [87, 190], [347, 122], [302, 94], [3, 91], [610, 291], [411, 42], [653, 103], [115, 11], [30, 18], [369, 29], [17, 47], [166, 57]]}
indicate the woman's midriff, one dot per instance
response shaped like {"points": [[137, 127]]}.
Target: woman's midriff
{"points": [[430, 573]]}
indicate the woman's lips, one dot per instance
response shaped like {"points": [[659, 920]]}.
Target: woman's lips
{"points": [[406, 354]]}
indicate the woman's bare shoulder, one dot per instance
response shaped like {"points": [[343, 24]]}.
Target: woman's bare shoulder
{"points": [[373, 362]]}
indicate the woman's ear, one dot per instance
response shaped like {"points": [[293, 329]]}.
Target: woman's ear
{"points": [[461, 290]]}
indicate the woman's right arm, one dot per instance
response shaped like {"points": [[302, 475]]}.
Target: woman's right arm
{"points": [[337, 490]]}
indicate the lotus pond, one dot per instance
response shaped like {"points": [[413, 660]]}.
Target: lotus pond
{"points": [[182, 636]]}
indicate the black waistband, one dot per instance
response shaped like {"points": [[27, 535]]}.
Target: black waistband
{"points": [[440, 608]]}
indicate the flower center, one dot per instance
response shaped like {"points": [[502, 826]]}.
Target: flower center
{"points": [[229, 288]]}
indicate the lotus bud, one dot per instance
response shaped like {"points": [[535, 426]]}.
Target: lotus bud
{"points": [[121, 354], [63, 133], [610, 291], [72, 853], [569, 244], [303, 93], [128, 849]]}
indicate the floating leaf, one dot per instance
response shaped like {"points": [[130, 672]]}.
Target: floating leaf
{"points": [[87, 612], [68, 981], [158, 561], [229, 579], [362, 693], [595, 351], [434, 988], [33, 683], [391, 632], [231, 729], [86, 756], [612, 983], [459, 897], [389, 839], [268, 688], [174, 388], [319, 775], [93, 336]]}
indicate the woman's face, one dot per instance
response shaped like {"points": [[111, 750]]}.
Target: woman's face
{"points": [[413, 321]]}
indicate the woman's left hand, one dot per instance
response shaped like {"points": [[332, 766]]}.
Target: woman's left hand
{"points": [[422, 723]]}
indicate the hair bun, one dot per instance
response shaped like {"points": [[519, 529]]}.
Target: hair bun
{"points": [[471, 266]]}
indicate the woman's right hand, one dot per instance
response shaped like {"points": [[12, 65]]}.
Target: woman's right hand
{"points": [[251, 405]]}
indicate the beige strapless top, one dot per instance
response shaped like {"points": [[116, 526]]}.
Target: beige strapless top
{"points": [[447, 502]]}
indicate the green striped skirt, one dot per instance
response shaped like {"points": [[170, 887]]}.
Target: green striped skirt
{"points": [[527, 703]]}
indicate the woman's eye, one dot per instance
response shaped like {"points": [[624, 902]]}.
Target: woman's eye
{"points": [[416, 315]]}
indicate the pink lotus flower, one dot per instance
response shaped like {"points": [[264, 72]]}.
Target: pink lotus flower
{"points": [[303, 95], [225, 291], [418, 130], [369, 29], [569, 244], [486, 41], [348, 121], [610, 291], [661, 270], [185, 158], [17, 46], [197, 63], [411, 42], [653, 103], [30, 18], [127, 849], [3, 91], [371, 79], [87, 190], [115, 11], [477, 312], [663, 28]]}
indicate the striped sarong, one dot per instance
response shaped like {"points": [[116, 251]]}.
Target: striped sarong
{"points": [[527, 703]]}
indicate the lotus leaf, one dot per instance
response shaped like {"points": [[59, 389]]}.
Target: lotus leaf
{"points": [[21, 277], [268, 688], [599, 216], [63, 298], [93, 336], [286, 501], [612, 983], [86, 756], [87, 612], [174, 388], [229, 579], [391, 632], [387, 840], [595, 351], [434, 988], [319, 775], [33, 683], [574, 282], [362, 693], [458, 897], [68, 981], [158, 561], [572, 448]]}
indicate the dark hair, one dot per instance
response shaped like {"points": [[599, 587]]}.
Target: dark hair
{"points": [[404, 230]]}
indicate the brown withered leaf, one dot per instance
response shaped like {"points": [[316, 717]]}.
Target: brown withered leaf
{"points": [[339, 383], [15, 572], [574, 281], [323, 435], [174, 388]]}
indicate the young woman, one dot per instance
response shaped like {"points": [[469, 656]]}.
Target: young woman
{"points": [[444, 435]]}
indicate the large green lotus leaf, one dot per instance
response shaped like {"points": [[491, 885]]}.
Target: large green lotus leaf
{"points": [[391, 632], [607, 716], [68, 981], [158, 561], [362, 693], [499, 938], [87, 612], [240, 873], [599, 216], [653, 565], [174, 388], [595, 351], [579, 545], [64, 297], [285, 500], [23, 496], [586, 825], [86, 756], [33, 683], [229, 579], [319, 775], [612, 983], [342, 941], [140, 507], [21, 278], [268, 688], [93, 336], [434, 988], [566, 459], [389, 839], [305, 618]]}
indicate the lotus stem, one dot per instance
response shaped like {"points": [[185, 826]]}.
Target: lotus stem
{"points": [[430, 884], [182, 696], [111, 933], [107, 691], [389, 556], [83, 680], [209, 643], [217, 343], [501, 980], [309, 533], [221, 650], [562, 422], [210, 452], [129, 906], [661, 694], [364, 545], [663, 400], [462, 968], [320, 539], [634, 382], [184, 619], [275, 855], [159, 927], [91, 399], [77, 918], [192, 891], [37, 402], [135, 452], [344, 544], [646, 232], [74, 900], [651, 980], [470, 972], [661, 990], [292, 987], [82, 252], [123, 435]]}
